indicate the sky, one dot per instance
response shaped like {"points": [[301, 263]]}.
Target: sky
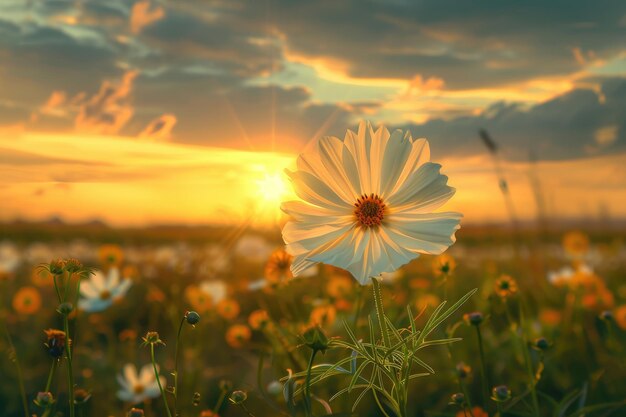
{"points": [[187, 111]]}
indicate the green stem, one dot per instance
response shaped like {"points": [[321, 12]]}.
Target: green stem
{"points": [[220, 401], [529, 365], [20, 376], [380, 406], [380, 312], [467, 397], [56, 288], [70, 374], [180, 329], [359, 305], [243, 406], [483, 366], [499, 408], [50, 375], [307, 386], [156, 375]]}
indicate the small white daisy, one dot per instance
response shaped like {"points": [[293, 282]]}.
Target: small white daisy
{"points": [[99, 292], [138, 387]]}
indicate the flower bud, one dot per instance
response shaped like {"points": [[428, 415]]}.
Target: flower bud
{"points": [[192, 317], [474, 318], [57, 266], [463, 370], [65, 308], [500, 393], [73, 265], [44, 399], [81, 396], [316, 339], [226, 385], [541, 343], [274, 388], [606, 315], [56, 340], [152, 338], [238, 397], [135, 412], [458, 398]]}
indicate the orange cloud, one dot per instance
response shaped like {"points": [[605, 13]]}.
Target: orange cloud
{"points": [[160, 128], [108, 111], [142, 15]]}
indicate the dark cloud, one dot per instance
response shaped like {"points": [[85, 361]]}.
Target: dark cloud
{"points": [[36, 60], [565, 127], [468, 44], [212, 109]]}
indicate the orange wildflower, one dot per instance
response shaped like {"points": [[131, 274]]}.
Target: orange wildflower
{"points": [[228, 309], [323, 315], [620, 316], [476, 412], [258, 319], [238, 335], [278, 267], [199, 300], [505, 286], [41, 277], [419, 284], [110, 255], [27, 301], [443, 264], [576, 243], [427, 301], [550, 316], [343, 305], [339, 286]]}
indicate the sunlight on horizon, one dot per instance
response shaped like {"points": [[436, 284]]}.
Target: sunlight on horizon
{"points": [[125, 181]]}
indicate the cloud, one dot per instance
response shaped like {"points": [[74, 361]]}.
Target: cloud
{"points": [[468, 45], [160, 128], [573, 125], [143, 14], [108, 111]]}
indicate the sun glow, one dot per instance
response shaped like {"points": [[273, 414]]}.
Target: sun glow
{"points": [[272, 188]]}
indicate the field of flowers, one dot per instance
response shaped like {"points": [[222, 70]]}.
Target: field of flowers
{"points": [[548, 322], [360, 309]]}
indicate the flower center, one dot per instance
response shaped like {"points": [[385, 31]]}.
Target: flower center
{"points": [[138, 389], [369, 211], [105, 295]]}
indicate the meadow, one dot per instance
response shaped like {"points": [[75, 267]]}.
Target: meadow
{"points": [[549, 339]]}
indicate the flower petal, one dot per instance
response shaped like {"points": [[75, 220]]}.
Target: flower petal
{"points": [[419, 155], [98, 281], [429, 233], [302, 212], [88, 290], [130, 373], [114, 278], [146, 375], [425, 190], [358, 144], [312, 190]]}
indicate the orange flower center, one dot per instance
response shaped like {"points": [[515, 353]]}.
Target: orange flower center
{"points": [[105, 295], [369, 211], [138, 389]]}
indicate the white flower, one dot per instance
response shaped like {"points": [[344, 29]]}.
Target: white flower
{"points": [[217, 290], [253, 248], [136, 388], [99, 292], [9, 258], [367, 204]]}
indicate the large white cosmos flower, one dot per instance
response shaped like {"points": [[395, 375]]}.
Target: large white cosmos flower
{"points": [[367, 204]]}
